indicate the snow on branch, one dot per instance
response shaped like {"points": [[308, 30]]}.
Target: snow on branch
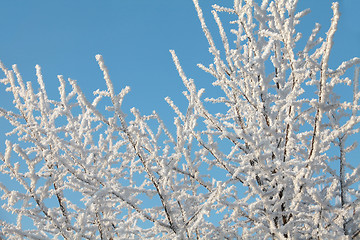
{"points": [[275, 160]]}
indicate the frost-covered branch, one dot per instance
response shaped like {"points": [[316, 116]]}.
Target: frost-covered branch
{"points": [[275, 160]]}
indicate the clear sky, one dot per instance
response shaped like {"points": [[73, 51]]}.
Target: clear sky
{"points": [[134, 37]]}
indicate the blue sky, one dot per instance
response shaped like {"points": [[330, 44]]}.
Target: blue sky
{"points": [[134, 37]]}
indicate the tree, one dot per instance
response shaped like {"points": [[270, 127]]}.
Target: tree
{"points": [[273, 163]]}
